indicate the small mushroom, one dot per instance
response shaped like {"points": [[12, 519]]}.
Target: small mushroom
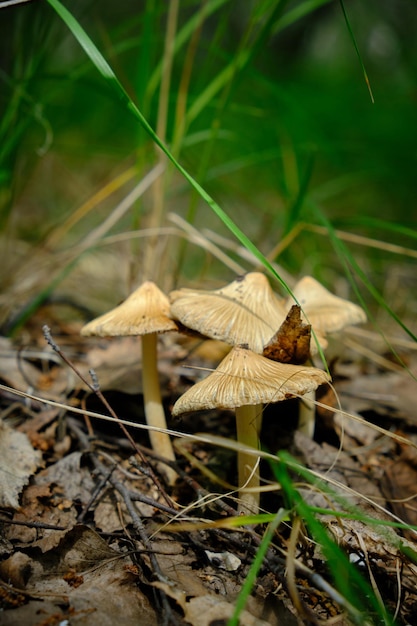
{"points": [[326, 312], [246, 311], [145, 312], [244, 381]]}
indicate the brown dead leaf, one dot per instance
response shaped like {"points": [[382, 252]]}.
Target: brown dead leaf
{"points": [[42, 504], [399, 486], [210, 609], [369, 545], [18, 461], [10, 598], [338, 466], [14, 369], [207, 592], [291, 342], [67, 473], [16, 569], [107, 589], [392, 393], [18, 370], [117, 363], [177, 565]]}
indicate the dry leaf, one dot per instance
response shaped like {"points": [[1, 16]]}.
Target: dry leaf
{"points": [[117, 364], [18, 461], [291, 343], [14, 370], [399, 486], [210, 609], [108, 590]]}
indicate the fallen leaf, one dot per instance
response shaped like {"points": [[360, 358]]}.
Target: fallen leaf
{"points": [[18, 461], [107, 592], [209, 609], [399, 486], [291, 342]]}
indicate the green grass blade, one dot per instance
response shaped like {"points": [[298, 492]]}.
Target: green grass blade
{"points": [[256, 566], [184, 34], [294, 214], [352, 268], [375, 223], [360, 600], [106, 71], [352, 36], [297, 13]]}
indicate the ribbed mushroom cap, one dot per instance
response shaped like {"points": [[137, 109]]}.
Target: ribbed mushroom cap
{"points": [[245, 378], [244, 312], [145, 311], [326, 312]]}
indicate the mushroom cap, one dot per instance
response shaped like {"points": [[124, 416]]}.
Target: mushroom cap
{"points": [[326, 312], [145, 311], [245, 378], [246, 311]]}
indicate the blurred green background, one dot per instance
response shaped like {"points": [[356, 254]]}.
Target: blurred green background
{"points": [[267, 107]]}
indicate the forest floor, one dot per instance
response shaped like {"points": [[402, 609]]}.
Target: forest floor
{"points": [[92, 534]]}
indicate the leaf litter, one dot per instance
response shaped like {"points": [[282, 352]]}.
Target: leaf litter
{"points": [[86, 522]]}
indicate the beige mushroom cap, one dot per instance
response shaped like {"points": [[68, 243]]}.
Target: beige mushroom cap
{"points": [[245, 378], [145, 311], [246, 311], [326, 312]]}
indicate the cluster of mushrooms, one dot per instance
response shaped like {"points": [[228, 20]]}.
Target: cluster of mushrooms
{"points": [[261, 368]]}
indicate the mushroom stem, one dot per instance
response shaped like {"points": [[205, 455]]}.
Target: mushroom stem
{"points": [[248, 426], [306, 414], [154, 410]]}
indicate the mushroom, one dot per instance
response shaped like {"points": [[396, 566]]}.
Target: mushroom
{"points": [[326, 313], [244, 381], [246, 311], [145, 312]]}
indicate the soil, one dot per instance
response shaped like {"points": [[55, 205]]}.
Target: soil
{"points": [[92, 533]]}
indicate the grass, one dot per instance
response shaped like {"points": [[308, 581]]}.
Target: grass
{"points": [[238, 123]]}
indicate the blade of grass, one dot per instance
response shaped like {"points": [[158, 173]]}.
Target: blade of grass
{"points": [[297, 13], [293, 215], [352, 36], [256, 565], [150, 264], [360, 599], [349, 511], [106, 71], [184, 34], [351, 267], [248, 48], [390, 227]]}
